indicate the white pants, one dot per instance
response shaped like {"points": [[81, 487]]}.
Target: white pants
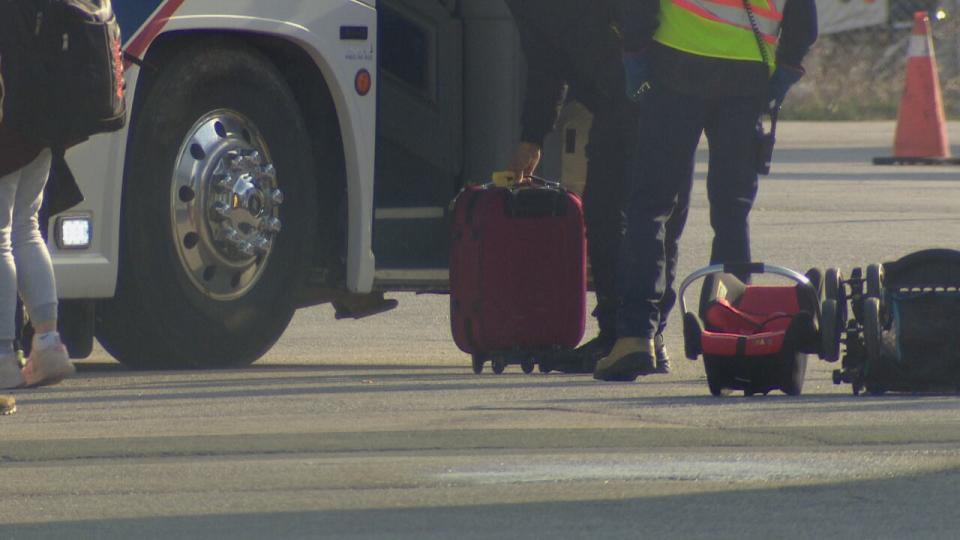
{"points": [[24, 260]]}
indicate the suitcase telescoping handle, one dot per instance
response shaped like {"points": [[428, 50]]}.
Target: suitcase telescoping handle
{"points": [[544, 182], [739, 269], [506, 179]]}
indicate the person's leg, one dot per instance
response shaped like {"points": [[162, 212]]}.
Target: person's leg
{"points": [[674, 228], [10, 376], [732, 177], [658, 184], [48, 362], [612, 135]]}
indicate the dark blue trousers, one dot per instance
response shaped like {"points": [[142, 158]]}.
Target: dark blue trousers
{"points": [[612, 138], [659, 181]]}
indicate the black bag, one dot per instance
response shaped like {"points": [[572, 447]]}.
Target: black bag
{"points": [[63, 68], [765, 143], [2, 89]]}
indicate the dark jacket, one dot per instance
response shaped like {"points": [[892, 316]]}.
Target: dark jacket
{"points": [[14, 152], [713, 77], [571, 44]]}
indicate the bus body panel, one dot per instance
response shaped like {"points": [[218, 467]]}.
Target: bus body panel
{"points": [[314, 26]]}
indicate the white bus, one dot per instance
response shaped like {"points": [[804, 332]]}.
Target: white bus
{"points": [[279, 155]]}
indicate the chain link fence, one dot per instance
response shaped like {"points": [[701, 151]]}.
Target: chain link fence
{"points": [[859, 74]]}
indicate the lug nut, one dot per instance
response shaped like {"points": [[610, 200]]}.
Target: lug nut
{"points": [[232, 236], [246, 248], [222, 183], [221, 212], [272, 225], [262, 245]]}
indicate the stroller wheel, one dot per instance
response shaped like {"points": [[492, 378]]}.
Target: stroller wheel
{"points": [[833, 286], [831, 326], [874, 280], [794, 373], [716, 376], [871, 329]]}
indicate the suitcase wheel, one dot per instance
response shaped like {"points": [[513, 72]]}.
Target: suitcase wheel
{"points": [[498, 363], [478, 360], [527, 364]]}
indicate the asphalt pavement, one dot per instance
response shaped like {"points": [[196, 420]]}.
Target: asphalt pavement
{"points": [[379, 429]]}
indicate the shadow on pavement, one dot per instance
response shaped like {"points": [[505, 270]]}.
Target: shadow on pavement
{"points": [[290, 386], [96, 367], [917, 507]]}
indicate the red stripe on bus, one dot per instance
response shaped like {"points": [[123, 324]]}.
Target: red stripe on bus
{"points": [[152, 29]]}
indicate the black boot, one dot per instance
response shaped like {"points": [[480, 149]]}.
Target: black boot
{"points": [[592, 351], [583, 359], [660, 352]]}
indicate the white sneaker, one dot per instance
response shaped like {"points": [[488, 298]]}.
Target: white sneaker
{"points": [[49, 362], [10, 376]]}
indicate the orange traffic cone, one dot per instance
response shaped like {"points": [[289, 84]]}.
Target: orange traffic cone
{"points": [[921, 136]]}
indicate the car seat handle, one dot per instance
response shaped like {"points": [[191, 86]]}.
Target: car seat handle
{"points": [[743, 269], [739, 268]]}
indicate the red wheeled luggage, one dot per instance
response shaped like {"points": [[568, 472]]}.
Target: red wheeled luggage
{"points": [[517, 273]]}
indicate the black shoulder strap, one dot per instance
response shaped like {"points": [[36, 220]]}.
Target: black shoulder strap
{"points": [[774, 114], [756, 33]]}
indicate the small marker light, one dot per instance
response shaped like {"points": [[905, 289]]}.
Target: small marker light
{"points": [[74, 232], [363, 82]]}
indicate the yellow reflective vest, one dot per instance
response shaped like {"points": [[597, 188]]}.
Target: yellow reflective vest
{"points": [[720, 28]]}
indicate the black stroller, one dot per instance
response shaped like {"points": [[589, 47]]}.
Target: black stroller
{"points": [[905, 332]]}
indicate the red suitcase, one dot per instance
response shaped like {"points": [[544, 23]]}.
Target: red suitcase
{"points": [[518, 273]]}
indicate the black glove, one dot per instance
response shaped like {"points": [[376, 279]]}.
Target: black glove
{"points": [[780, 82], [637, 71]]}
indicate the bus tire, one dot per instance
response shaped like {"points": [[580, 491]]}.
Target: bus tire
{"points": [[191, 294]]}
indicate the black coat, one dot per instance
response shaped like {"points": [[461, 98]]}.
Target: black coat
{"points": [[573, 44]]}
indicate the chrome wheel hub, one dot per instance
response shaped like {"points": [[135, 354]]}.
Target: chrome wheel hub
{"points": [[225, 205]]}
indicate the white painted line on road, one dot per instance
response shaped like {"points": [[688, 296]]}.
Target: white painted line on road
{"points": [[738, 467]]}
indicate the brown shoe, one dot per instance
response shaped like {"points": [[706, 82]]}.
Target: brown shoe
{"points": [[629, 359], [8, 405]]}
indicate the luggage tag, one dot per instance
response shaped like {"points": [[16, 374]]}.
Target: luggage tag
{"points": [[504, 179]]}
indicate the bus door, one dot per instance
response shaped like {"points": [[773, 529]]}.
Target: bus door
{"points": [[419, 140]]}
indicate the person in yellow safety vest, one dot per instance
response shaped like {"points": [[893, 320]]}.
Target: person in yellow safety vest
{"points": [[695, 67]]}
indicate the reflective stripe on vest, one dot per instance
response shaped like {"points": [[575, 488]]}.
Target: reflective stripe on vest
{"points": [[720, 28]]}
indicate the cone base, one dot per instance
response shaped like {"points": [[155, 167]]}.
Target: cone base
{"points": [[896, 160]]}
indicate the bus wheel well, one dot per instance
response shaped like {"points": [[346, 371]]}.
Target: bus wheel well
{"points": [[313, 96]]}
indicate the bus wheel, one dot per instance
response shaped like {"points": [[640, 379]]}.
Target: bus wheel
{"points": [[218, 211]]}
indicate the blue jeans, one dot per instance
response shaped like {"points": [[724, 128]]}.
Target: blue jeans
{"points": [[659, 182]]}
